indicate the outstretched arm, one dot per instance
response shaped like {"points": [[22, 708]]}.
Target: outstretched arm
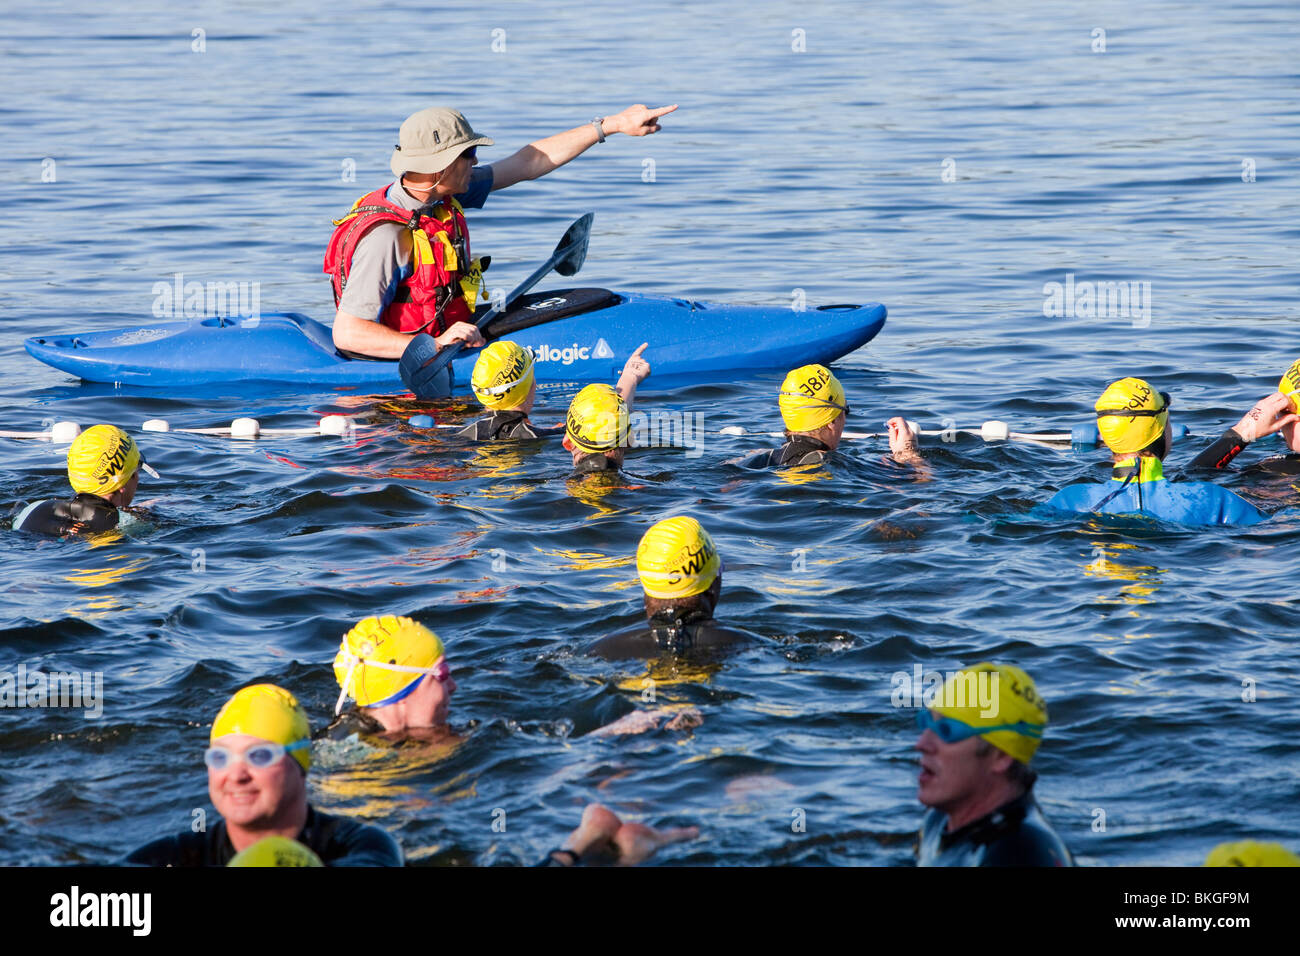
{"points": [[547, 155], [1270, 414]]}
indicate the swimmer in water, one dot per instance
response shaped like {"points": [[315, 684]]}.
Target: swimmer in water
{"points": [[104, 466], [397, 672], [681, 577], [1133, 419], [504, 383], [595, 430], [1251, 853], [1273, 413], [813, 408], [602, 838], [977, 737], [258, 758]]}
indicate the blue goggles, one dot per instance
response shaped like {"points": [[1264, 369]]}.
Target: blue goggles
{"points": [[951, 730]]}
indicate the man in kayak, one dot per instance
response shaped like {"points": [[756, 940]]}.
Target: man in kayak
{"points": [[104, 469], [596, 428], [504, 382], [397, 672], [1133, 419], [400, 260], [257, 778], [978, 735], [681, 577], [1273, 413], [813, 408]]}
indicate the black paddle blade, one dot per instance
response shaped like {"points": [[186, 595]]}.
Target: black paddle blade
{"points": [[420, 372], [577, 237]]}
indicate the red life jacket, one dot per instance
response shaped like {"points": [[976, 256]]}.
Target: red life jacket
{"points": [[444, 283]]}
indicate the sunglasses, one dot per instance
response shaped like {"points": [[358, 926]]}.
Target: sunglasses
{"points": [[471, 154], [951, 731], [258, 756]]}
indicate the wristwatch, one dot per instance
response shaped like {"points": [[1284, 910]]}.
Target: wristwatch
{"points": [[600, 130]]}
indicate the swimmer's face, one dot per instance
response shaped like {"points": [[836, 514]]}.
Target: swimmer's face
{"points": [[431, 702], [837, 430], [257, 797], [953, 774]]}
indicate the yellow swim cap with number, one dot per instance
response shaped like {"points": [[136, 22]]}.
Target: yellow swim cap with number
{"points": [[810, 397], [677, 558], [1251, 853], [276, 851], [597, 419], [503, 375], [268, 712], [1005, 699], [1290, 385], [101, 460], [1131, 415], [383, 658]]}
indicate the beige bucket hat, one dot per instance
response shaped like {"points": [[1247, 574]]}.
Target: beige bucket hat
{"points": [[431, 139]]}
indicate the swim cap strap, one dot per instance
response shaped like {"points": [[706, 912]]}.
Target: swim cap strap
{"points": [[353, 661]]}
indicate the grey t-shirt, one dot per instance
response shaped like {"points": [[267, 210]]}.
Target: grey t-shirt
{"points": [[382, 258]]}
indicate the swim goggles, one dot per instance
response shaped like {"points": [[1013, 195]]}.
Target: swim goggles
{"points": [[1137, 412], [951, 730], [507, 386], [259, 756], [440, 670]]}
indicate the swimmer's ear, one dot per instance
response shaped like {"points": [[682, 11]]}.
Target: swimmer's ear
{"points": [[568, 445]]}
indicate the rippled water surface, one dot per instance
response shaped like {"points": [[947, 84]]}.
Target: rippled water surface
{"points": [[825, 170]]}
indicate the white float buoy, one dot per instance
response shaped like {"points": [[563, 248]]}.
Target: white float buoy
{"points": [[995, 431], [156, 425], [63, 433], [335, 425], [245, 428]]}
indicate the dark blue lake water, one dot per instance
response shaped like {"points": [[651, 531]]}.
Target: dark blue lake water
{"points": [[949, 161]]}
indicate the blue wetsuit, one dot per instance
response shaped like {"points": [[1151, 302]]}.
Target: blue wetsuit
{"points": [[1146, 491]]}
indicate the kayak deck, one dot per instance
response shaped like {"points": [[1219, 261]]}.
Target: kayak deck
{"points": [[578, 335]]}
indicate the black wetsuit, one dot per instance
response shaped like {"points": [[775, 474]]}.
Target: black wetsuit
{"points": [[1015, 834], [798, 450], [84, 514], [501, 426], [352, 721], [338, 841], [665, 635], [1230, 444], [594, 464]]}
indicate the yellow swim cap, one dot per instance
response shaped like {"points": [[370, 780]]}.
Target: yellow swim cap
{"points": [[677, 558], [101, 460], [268, 712], [276, 851], [1251, 853], [382, 659], [502, 375], [1006, 699], [810, 397], [1290, 385], [598, 419], [1131, 415]]}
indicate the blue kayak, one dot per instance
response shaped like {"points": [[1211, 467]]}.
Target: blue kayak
{"points": [[578, 335]]}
